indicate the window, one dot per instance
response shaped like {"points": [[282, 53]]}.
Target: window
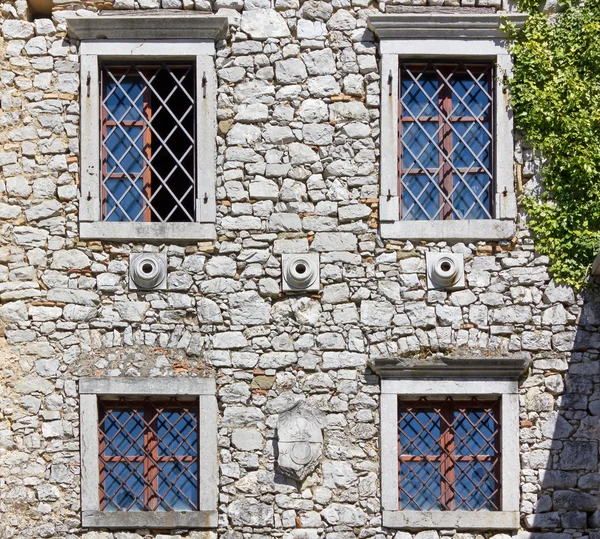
{"points": [[148, 162], [445, 167], [449, 454], [148, 126], [148, 453], [450, 444], [446, 132]]}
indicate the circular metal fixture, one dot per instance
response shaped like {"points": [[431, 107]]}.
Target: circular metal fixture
{"points": [[446, 272], [300, 273], [148, 271]]}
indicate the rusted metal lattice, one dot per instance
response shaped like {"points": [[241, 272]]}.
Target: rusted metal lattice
{"points": [[148, 142], [446, 141], [449, 455], [148, 455]]}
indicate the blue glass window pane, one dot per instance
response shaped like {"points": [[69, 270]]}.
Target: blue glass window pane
{"points": [[124, 102], [475, 486], [416, 97], [472, 145], [474, 431], [420, 486], [124, 150], [123, 433], [123, 486], [470, 98], [419, 150], [177, 433], [467, 206], [419, 187], [419, 432], [178, 486], [131, 203]]}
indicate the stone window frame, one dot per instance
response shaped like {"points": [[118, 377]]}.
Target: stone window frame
{"points": [[464, 36], [204, 389], [125, 38], [451, 377]]}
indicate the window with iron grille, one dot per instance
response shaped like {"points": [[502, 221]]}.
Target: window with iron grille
{"points": [[148, 455], [148, 452], [148, 155], [449, 455], [148, 142], [449, 444], [446, 141]]}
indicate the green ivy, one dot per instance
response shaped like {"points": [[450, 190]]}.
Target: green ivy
{"points": [[555, 93]]}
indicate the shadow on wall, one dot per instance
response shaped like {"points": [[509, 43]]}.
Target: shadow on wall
{"points": [[560, 430]]}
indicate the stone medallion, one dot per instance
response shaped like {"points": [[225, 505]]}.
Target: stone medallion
{"points": [[300, 440]]}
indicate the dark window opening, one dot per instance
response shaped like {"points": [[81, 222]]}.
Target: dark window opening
{"points": [[148, 143]]}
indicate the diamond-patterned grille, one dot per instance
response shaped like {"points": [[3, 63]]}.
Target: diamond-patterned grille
{"points": [[148, 455], [446, 142], [148, 143], [449, 455]]}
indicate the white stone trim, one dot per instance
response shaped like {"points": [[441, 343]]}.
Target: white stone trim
{"points": [[146, 519], [443, 48], [200, 51], [509, 449], [88, 438], [389, 129], [466, 230], [147, 386], [438, 25], [458, 520], [148, 25], [90, 389], [126, 49], [444, 388], [209, 470], [464, 36], [508, 516], [105, 230], [506, 201], [389, 452]]}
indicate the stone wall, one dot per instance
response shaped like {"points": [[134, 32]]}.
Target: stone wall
{"points": [[297, 172]]}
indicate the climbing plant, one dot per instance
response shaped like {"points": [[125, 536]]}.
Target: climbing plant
{"points": [[555, 92]]}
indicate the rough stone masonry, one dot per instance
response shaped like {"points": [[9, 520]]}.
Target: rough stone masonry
{"points": [[297, 171]]}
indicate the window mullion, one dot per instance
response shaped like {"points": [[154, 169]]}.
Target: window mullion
{"points": [[447, 474], [150, 445], [147, 149], [445, 143]]}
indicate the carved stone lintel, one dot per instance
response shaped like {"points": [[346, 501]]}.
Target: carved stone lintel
{"points": [[451, 368], [300, 440]]}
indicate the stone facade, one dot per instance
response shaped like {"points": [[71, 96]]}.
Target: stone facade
{"points": [[297, 171]]}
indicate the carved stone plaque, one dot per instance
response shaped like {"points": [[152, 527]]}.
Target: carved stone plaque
{"points": [[300, 440]]}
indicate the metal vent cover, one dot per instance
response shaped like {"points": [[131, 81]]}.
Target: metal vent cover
{"points": [[445, 271], [147, 271], [300, 272]]}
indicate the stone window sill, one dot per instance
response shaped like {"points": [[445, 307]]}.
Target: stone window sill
{"points": [[468, 230], [147, 231], [145, 519], [457, 520]]}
